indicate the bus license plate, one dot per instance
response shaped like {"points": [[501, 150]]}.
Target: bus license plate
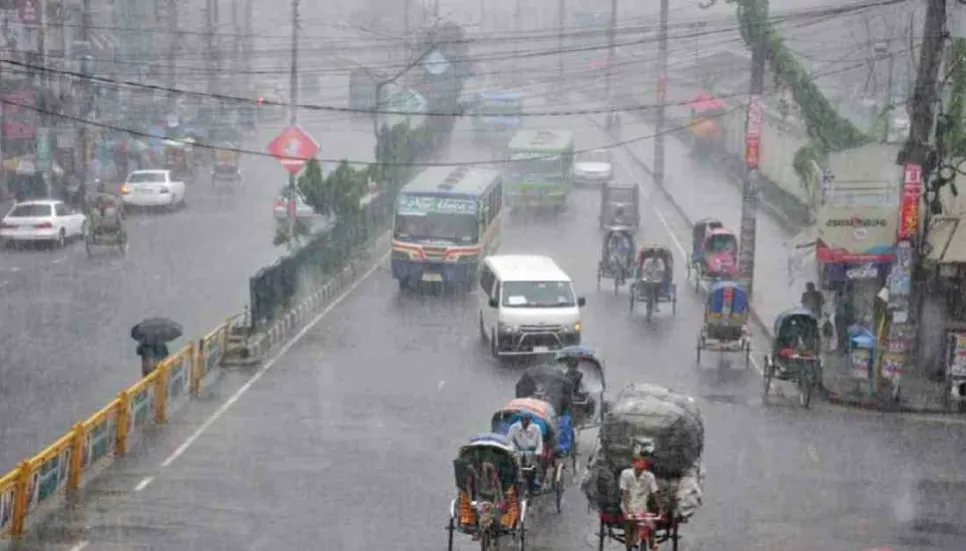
{"points": [[541, 349], [432, 277]]}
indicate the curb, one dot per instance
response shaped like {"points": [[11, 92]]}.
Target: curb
{"points": [[831, 397], [259, 345]]}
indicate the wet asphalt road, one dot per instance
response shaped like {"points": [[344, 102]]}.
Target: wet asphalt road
{"points": [[346, 442], [65, 318]]}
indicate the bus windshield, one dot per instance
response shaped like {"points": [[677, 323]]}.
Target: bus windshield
{"points": [[501, 108], [543, 166], [457, 229]]}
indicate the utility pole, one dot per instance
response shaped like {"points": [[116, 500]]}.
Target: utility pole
{"points": [[42, 141], [175, 38], [661, 95], [561, 18], [406, 8], [611, 45], [86, 86], [210, 43], [753, 123], [919, 165], [248, 44], [293, 117], [517, 38]]}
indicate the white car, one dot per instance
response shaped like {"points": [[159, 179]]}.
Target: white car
{"points": [[152, 188], [45, 220], [593, 167]]}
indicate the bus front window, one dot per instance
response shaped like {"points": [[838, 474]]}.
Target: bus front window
{"points": [[547, 167], [459, 229]]}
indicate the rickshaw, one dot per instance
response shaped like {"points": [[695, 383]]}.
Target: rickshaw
{"points": [[650, 291], [719, 257], [619, 206], [615, 263], [177, 159], [546, 477], [796, 353], [489, 504], [105, 224], [725, 327], [226, 167], [698, 233], [588, 397]]}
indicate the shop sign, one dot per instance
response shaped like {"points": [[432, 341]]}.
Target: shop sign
{"points": [[957, 359], [19, 114], [861, 360], [866, 271], [909, 206], [856, 233], [29, 11], [892, 364]]}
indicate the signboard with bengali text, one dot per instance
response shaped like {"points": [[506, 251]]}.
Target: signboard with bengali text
{"points": [[426, 204], [856, 233]]}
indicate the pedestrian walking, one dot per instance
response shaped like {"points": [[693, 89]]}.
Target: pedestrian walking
{"points": [[151, 356], [813, 300], [843, 319]]}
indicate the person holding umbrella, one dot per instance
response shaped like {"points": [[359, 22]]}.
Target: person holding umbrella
{"points": [[152, 336]]}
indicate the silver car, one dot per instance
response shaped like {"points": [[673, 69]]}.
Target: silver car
{"points": [[593, 167], [304, 213]]}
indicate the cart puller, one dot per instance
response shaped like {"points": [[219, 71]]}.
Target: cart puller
{"points": [[638, 491]]}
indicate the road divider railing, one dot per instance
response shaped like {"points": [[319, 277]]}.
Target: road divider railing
{"points": [[37, 483]]}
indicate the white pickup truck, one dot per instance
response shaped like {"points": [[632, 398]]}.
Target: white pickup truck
{"points": [[153, 188]]}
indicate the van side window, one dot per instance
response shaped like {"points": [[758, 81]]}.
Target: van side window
{"points": [[486, 280]]}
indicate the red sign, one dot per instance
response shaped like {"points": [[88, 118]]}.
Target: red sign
{"points": [[752, 151], [292, 147], [909, 205], [29, 11], [756, 114], [20, 117]]}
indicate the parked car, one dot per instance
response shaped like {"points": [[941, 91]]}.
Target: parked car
{"points": [[45, 221], [153, 188], [593, 167], [304, 214]]}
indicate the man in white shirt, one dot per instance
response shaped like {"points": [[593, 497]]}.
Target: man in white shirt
{"points": [[527, 440], [638, 487], [525, 437]]}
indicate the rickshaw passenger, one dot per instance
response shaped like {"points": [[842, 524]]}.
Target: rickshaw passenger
{"points": [[576, 379]]}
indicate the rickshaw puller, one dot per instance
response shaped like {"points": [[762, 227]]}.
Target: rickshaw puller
{"points": [[527, 439], [638, 491]]}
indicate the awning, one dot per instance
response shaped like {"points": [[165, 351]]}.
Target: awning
{"points": [[940, 230], [956, 250]]}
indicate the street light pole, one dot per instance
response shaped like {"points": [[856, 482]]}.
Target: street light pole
{"points": [[561, 17], [611, 40], [753, 123], [661, 95], [293, 118]]}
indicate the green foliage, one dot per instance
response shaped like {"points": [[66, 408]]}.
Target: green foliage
{"points": [[956, 135], [337, 194], [827, 130]]}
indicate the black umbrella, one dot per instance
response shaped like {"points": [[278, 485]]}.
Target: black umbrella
{"points": [[156, 331]]}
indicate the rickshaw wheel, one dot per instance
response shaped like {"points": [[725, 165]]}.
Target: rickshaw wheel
{"points": [[747, 355], [617, 284], [522, 528], [698, 349], [558, 487], [804, 390], [599, 276], [601, 535], [88, 244], [450, 528], [574, 452], [674, 534], [766, 376]]}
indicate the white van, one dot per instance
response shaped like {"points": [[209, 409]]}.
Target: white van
{"points": [[527, 306]]}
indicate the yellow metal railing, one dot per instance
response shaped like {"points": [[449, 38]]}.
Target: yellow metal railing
{"points": [[62, 466]]}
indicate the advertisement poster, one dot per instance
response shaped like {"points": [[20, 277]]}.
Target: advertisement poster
{"points": [[856, 233], [909, 207], [957, 361], [892, 364], [861, 363], [19, 116]]}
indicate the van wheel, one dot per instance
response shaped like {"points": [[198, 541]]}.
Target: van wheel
{"points": [[482, 330], [494, 346]]}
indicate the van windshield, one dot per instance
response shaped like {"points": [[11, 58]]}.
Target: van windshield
{"points": [[538, 294]]}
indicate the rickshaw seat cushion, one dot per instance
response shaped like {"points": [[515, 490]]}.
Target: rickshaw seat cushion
{"points": [[725, 332], [786, 353]]}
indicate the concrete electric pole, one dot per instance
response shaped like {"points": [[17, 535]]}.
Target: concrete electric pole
{"points": [[661, 95], [561, 18], [611, 57], [753, 123], [293, 115]]}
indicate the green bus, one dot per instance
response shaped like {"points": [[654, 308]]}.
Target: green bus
{"points": [[541, 168]]}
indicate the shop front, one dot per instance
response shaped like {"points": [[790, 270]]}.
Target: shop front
{"points": [[855, 248]]}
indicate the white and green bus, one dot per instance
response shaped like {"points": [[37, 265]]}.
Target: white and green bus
{"points": [[540, 172], [446, 222]]}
